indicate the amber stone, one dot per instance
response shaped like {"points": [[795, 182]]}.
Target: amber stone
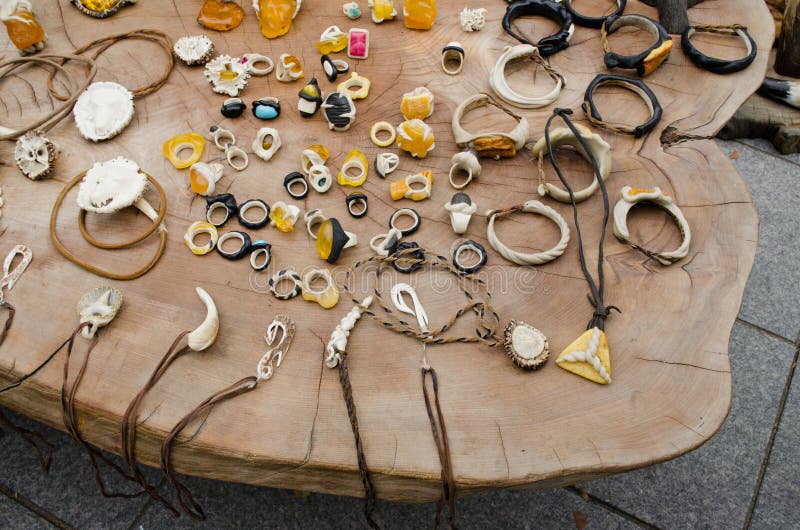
{"points": [[23, 29], [275, 16], [419, 14], [220, 15], [325, 239], [495, 147]]}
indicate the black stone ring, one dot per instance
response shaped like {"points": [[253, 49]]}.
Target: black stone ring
{"points": [[468, 246], [254, 203], [257, 249], [357, 204], [634, 85], [225, 200], [238, 253], [646, 62], [593, 22], [406, 212], [543, 8], [712, 64], [294, 180], [410, 261]]}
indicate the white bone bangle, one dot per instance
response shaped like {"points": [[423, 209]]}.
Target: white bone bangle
{"points": [[383, 126], [564, 136], [252, 59], [498, 82], [237, 157], [489, 144], [520, 258], [197, 228], [633, 196]]}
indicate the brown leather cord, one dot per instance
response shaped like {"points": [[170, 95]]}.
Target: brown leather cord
{"points": [[443, 447], [102, 44], [128, 432], [601, 311], [182, 493], [36, 370], [366, 480], [30, 437], [721, 30], [74, 87], [91, 268], [9, 321], [70, 418]]}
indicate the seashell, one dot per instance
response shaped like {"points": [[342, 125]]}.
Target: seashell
{"points": [[340, 111], [101, 9], [417, 104], [232, 107], [332, 40], [98, 307], [416, 137], [358, 43], [275, 16], [267, 108], [386, 163], [289, 68], [526, 345], [310, 99], [473, 19], [588, 356], [351, 10], [193, 50], [227, 75], [382, 10], [203, 177], [266, 143], [103, 110], [206, 333], [35, 155]]}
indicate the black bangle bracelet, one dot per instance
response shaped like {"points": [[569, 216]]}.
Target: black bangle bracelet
{"points": [[593, 22], [257, 249], [225, 200], [293, 180], [712, 64], [253, 203], [544, 8], [475, 247], [356, 200], [634, 85], [415, 258], [241, 251], [646, 62]]}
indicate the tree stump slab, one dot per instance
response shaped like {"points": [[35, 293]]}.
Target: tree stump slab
{"points": [[672, 381]]}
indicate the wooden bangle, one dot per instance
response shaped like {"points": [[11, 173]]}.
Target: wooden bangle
{"points": [[644, 63], [544, 8], [634, 85], [712, 64], [520, 258]]}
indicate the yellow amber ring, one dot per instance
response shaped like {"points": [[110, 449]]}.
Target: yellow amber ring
{"points": [[415, 137], [383, 126], [358, 161], [194, 230], [332, 40], [284, 216], [415, 187], [289, 68], [203, 177], [357, 86], [173, 147], [327, 297], [417, 104]]}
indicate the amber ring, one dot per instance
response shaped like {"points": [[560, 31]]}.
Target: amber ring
{"points": [[240, 252], [327, 297], [173, 147], [194, 230], [226, 201], [383, 126], [248, 205], [712, 64], [636, 86], [646, 62], [285, 275], [296, 185]]}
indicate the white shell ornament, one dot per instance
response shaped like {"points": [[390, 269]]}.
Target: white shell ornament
{"points": [[227, 75], [206, 333], [473, 19], [194, 50], [35, 155], [526, 345], [103, 110], [98, 307]]}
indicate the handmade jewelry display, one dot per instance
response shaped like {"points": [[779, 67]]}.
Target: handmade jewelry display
{"points": [[333, 67], [538, 258], [543, 8], [356, 160], [712, 64], [358, 43], [285, 275], [472, 19], [634, 85], [284, 216], [593, 22], [220, 15], [469, 246], [633, 196], [296, 185], [194, 230], [357, 204], [419, 14], [382, 10], [35, 155], [498, 82], [357, 87], [601, 152], [193, 51], [267, 108], [275, 16], [175, 145], [386, 163], [326, 297], [416, 138], [644, 63], [415, 187], [289, 68], [310, 99], [24, 30], [489, 144], [266, 143], [453, 58], [332, 239], [417, 104], [102, 8], [332, 40], [203, 177], [103, 110], [224, 201], [227, 75], [461, 210], [109, 187], [379, 127], [340, 111]]}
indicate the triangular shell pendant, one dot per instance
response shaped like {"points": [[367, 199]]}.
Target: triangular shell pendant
{"points": [[588, 357]]}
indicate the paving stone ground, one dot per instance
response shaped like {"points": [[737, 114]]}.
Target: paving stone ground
{"points": [[744, 477]]}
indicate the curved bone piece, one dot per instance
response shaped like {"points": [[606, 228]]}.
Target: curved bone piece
{"points": [[98, 307], [206, 333], [338, 341]]}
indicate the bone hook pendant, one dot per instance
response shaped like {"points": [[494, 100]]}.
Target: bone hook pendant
{"points": [[205, 334]]}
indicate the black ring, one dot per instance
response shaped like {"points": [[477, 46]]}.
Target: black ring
{"points": [[636, 85], [272, 103], [416, 257], [233, 107], [356, 198], [339, 239], [253, 225], [475, 247], [712, 64], [312, 94], [330, 68], [544, 8], [290, 179], [593, 22], [285, 275], [225, 199], [408, 212], [636, 62], [238, 254], [256, 249]]}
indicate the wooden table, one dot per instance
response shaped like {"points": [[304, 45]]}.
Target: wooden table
{"points": [[672, 382]]}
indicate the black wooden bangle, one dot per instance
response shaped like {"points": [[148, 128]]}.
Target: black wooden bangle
{"points": [[415, 258], [593, 22], [712, 64], [646, 62], [254, 203], [474, 247], [634, 85], [354, 200], [241, 251], [291, 180], [225, 200], [258, 248], [543, 8]]}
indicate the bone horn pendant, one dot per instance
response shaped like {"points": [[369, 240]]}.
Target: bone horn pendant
{"points": [[205, 334]]}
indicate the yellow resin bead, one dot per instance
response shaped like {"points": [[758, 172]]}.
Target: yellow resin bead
{"points": [[176, 144], [416, 137], [356, 160], [419, 14], [23, 29], [275, 16]]}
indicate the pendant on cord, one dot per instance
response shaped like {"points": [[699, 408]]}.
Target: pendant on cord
{"points": [[588, 357]]}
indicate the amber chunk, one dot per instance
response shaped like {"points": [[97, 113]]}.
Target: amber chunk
{"points": [[419, 14], [275, 16], [656, 57], [23, 29], [220, 15], [495, 147]]}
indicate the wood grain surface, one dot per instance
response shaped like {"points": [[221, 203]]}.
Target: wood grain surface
{"points": [[672, 382]]}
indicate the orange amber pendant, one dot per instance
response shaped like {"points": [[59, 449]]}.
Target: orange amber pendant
{"points": [[419, 14], [220, 15], [275, 16], [25, 31]]}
